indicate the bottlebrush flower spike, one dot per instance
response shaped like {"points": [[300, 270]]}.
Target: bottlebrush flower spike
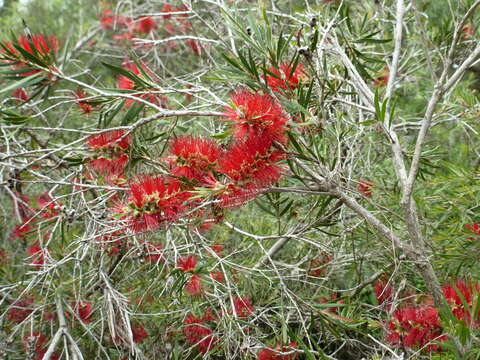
{"points": [[83, 310], [475, 228], [107, 21], [152, 202], [365, 188], [194, 287], [243, 307], [37, 45], [86, 106], [199, 334], [383, 291], [285, 78], [257, 115], [462, 308], [415, 327], [112, 167], [139, 333], [187, 263], [280, 353], [50, 207], [146, 25], [37, 256], [193, 157], [110, 140], [20, 95], [252, 161], [20, 310]]}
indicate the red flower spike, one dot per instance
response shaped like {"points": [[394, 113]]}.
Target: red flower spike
{"points": [[194, 287], [86, 107], [49, 206], [365, 188], [187, 263], [139, 333], [254, 114], [20, 310], [110, 140], [469, 292], [383, 291], [108, 21], [217, 276], [280, 353], [37, 256], [20, 95], [252, 161], [153, 202], [475, 228], [415, 327], [21, 230], [167, 8], [193, 157], [285, 78], [243, 307], [112, 167], [146, 25], [198, 334], [83, 310], [195, 46]]}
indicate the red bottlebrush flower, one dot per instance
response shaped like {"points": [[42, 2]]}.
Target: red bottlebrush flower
{"points": [[167, 8], [187, 263], [317, 264], [21, 230], [20, 95], [38, 256], [475, 228], [285, 78], [86, 107], [243, 307], [108, 21], [256, 114], [193, 157], [462, 308], [365, 188], [124, 82], [218, 249], [217, 276], [20, 310], [195, 46], [152, 202], [194, 287], [139, 333], [83, 310], [252, 161], [49, 206], [111, 140], [35, 340], [280, 353], [415, 327], [198, 334], [383, 291], [112, 167], [146, 25], [37, 45], [41, 45], [153, 252]]}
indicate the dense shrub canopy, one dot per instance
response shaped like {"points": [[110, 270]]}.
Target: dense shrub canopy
{"points": [[239, 179]]}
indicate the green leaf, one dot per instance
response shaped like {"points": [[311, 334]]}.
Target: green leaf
{"points": [[28, 81]]}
